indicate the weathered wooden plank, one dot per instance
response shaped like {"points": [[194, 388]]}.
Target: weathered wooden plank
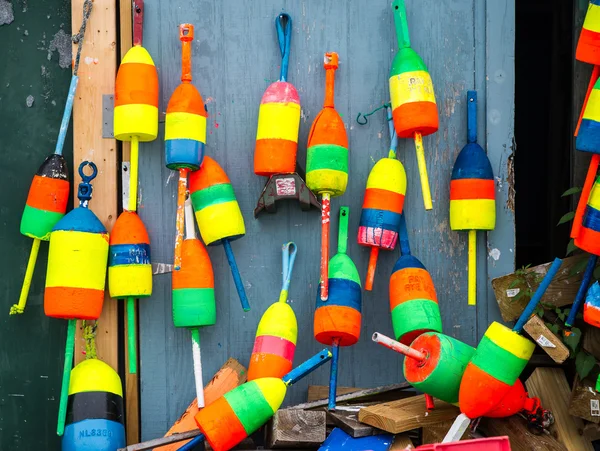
{"points": [[546, 339], [585, 401], [561, 291], [406, 414], [348, 422], [521, 438], [293, 428], [95, 80], [316, 392], [550, 385]]}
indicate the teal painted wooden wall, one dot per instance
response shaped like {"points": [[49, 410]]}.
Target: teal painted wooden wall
{"points": [[466, 44]]}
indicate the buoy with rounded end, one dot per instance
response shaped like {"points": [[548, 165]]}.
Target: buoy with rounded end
{"points": [[382, 205], [277, 332], [337, 320], [413, 300], [472, 193], [95, 413], [327, 161], [413, 100], [218, 214], [588, 46], [240, 412]]}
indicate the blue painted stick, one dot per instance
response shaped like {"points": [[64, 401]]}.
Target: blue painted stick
{"points": [[239, 285], [585, 283], [472, 116], [335, 349], [393, 135], [537, 296], [403, 233], [307, 367], [285, 37], [189, 446], [64, 124]]}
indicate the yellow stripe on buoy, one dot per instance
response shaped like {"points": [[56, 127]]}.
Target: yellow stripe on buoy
{"points": [[473, 214], [179, 125], [69, 267], [594, 199], [592, 18], [414, 86], [279, 121], [273, 390], [220, 220], [94, 375], [510, 341], [145, 126], [126, 279], [388, 174]]}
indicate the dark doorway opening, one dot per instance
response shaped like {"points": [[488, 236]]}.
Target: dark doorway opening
{"points": [[543, 127]]}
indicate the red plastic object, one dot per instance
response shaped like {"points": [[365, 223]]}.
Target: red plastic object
{"points": [[481, 444]]}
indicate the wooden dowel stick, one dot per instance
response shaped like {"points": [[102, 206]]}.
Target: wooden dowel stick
{"points": [[237, 279], [472, 294], [64, 390], [423, 171], [371, 269], [197, 367], [325, 222], [394, 345], [20, 306], [131, 335], [133, 173], [180, 218], [335, 351]]}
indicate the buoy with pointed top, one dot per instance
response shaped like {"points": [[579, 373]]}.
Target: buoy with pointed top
{"points": [[218, 214], [327, 161], [413, 99], [277, 332], [338, 319], [472, 193], [383, 204], [76, 274]]}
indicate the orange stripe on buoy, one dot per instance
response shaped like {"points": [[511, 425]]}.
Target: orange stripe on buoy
{"points": [[472, 189], [416, 117], [136, 84], [264, 364], [73, 303], [382, 199], [327, 128], [48, 194], [480, 392], [186, 99], [196, 269], [129, 229], [409, 284], [220, 425]]}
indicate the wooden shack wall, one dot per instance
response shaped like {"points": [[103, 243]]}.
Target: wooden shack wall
{"points": [[467, 44]]}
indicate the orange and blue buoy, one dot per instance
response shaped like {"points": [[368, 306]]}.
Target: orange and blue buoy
{"points": [[337, 320], [76, 275], [383, 204], [472, 193], [277, 332], [95, 413]]}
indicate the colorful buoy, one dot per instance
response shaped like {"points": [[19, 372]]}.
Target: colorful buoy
{"points": [[95, 414], [499, 359], [136, 101], [76, 274], [413, 299], [472, 193], [383, 204], [129, 271], [193, 288], [413, 99], [277, 332], [218, 214], [591, 308], [327, 161], [338, 319], [237, 414], [588, 46], [185, 131]]}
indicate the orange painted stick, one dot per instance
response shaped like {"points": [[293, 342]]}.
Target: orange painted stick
{"points": [[593, 79], [325, 215], [181, 194], [371, 269], [585, 194]]}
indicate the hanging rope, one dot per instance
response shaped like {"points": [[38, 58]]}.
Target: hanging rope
{"points": [[365, 116], [78, 38]]}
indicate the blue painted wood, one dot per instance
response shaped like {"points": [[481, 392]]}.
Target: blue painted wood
{"points": [[338, 440], [467, 44]]}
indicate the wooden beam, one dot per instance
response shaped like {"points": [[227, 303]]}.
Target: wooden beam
{"points": [[550, 385], [561, 291], [292, 428], [585, 400], [548, 341], [406, 414], [348, 422], [316, 392], [95, 80], [231, 374], [521, 438]]}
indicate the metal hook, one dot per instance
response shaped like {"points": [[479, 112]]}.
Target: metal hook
{"points": [[365, 116]]}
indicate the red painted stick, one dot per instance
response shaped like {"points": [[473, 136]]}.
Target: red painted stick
{"points": [[593, 79], [325, 215], [585, 194], [181, 193], [371, 269]]}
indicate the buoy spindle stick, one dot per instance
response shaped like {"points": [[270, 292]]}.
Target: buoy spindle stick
{"points": [[401, 24], [472, 293], [585, 283], [180, 219], [131, 335], [64, 124], [394, 345], [64, 390], [192, 444], [197, 366], [237, 279], [371, 269], [133, 173], [325, 223], [335, 351], [423, 171], [20, 306], [307, 367]]}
